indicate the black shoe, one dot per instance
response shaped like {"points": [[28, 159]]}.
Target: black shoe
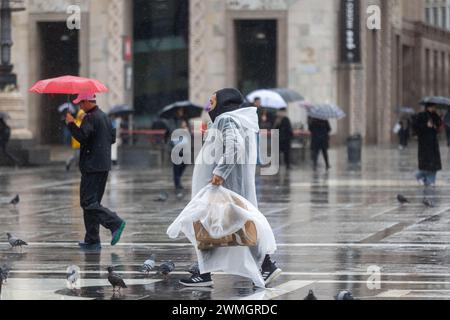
{"points": [[90, 246], [203, 280], [270, 272]]}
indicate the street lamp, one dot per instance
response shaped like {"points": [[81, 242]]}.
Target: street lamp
{"points": [[7, 78]]}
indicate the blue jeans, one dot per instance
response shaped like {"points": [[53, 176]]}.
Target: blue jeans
{"points": [[428, 177]]}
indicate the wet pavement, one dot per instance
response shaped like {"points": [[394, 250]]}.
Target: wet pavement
{"points": [[333, 230]]}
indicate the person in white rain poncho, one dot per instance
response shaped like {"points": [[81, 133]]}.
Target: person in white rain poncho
{"points": [[228, 178]]}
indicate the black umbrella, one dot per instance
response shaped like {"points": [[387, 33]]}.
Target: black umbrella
{"points": [[121, 110], [4, 116], [190, 110], [437, 101], [288, 95]]}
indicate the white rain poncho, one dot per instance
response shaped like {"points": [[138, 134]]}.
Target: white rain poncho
{"points": [[212, 205]]}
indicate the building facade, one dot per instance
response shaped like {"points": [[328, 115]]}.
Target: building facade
{"points": [[187, 49]]}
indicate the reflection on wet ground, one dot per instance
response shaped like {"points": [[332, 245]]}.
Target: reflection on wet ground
{"points": [[331, 229]]}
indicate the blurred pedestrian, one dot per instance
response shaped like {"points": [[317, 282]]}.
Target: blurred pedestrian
{"points": [[116, 122], [75, 157], [403, 133], [5, 135], [96, 135], [320, 140], [283, 124], [180, 122], [427, 126]]}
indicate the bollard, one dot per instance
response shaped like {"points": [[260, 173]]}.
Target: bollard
{"points": [[354, 149]]}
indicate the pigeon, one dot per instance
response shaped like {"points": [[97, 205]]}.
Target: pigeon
{"points": [[115, 280], [310, 296], [180, 196], [15, 242], [149, 264], [402, 199], [73, 276], [163, 197], [15, 201], [428, 203], [4, 273], [166, 268], [345, 295], [194, 269]]}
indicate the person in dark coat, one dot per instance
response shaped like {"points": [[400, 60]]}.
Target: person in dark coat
{"points": [[283, 124], [447, 127], [96, 135], [403, 133], [5, 135], [427, 127], [320, 140]]}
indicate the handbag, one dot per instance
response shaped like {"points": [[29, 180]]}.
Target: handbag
{"points": [[245, 237]]}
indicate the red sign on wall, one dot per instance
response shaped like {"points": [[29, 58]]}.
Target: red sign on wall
{"points": [[127, 48]]}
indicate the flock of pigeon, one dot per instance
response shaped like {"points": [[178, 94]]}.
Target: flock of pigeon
{"points": [[116, 281]]}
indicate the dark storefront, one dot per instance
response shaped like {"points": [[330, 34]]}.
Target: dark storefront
{"points": [[161, 49]]}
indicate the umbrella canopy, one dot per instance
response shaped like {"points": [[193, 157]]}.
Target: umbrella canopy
{"points": [[288, 95], [324, 111], [4, 116], [121, 110], [406, 110], [66, 107], [190, 110], [69, 85], [269, 99], [438, 101]]}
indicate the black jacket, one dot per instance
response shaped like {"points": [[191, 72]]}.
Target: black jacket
{"points": [[320, 133], [286, 132], [429, 153], [5, 133], [96, 135]]}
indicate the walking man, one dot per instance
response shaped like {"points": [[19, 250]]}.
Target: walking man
{"points": [[96, 135]]}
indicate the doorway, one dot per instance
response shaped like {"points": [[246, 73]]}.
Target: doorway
{"points": [[256, 54], [59, 56]]}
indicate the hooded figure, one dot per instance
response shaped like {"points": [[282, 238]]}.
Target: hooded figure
{"points": [[233, 122], [228, 158]]}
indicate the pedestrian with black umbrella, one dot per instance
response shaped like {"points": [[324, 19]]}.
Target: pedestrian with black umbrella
{"points": [[320, 140], [179, 114], [96, 135], [427, 126]]}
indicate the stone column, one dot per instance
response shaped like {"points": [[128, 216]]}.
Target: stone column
{"points": [[197, 51], [116, 65]]}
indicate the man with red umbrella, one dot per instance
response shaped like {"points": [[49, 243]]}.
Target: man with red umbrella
{"points": [[96, 135]]}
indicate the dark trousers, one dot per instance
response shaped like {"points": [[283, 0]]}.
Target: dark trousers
{"points": [[315, 156], [403, 137], [92, 189], [285, 148], [447, 131], [4, 150], [178, 170]]}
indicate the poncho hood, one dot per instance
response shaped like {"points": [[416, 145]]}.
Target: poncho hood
{"points": [[248, 117]]}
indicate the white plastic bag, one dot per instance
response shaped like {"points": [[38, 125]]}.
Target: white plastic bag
{"points": [[223, 212], [397, 128]]}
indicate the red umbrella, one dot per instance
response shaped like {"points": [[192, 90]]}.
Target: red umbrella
{"points": [[69, 85]]}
